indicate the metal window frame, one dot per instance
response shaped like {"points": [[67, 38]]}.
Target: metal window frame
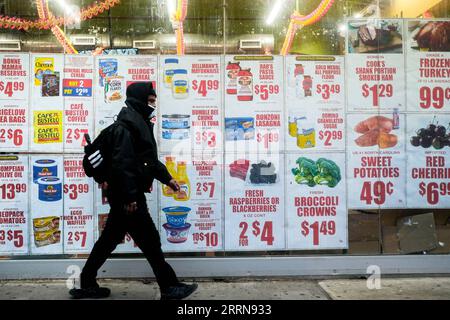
{"points": [[200, 267]]}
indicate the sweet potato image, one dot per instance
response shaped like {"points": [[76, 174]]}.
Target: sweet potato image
{"points": [[375, 122], [368, 139], [377, 137], [387, 140]]}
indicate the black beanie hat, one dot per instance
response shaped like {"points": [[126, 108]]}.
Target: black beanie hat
{"points": [[140, 91]]}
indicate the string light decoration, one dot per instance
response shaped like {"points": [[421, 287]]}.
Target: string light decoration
{"points": [[47, 21], [299, 21]]}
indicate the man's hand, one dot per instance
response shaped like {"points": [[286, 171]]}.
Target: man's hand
{"points": [[173, 184], [131, 207]]}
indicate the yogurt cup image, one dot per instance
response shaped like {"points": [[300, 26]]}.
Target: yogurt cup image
{"points": [[177, 234], [176, 216]]}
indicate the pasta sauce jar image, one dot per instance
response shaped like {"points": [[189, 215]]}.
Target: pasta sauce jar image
{"points": [[245, 85], [233, 69]]}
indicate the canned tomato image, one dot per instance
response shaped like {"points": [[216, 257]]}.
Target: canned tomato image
{"points": [[44, 168], [50, 189]]}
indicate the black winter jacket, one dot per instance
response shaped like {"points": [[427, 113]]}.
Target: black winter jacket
{"points": [[135, 162]]}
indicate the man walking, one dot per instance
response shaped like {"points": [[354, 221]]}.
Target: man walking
{"points": [[134, 166]]}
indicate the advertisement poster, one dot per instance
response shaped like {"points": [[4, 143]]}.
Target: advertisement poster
{"points": [[316, 209], [46, 204], [14, 190], [47, 103], [428, 65], [376, 161], [191, 219], [315, 103], [428, 182], [254, 104], [375, 65], [78, 207], [113, 75], [14, 99], [254, 202], [78, 101], [190, 98]]}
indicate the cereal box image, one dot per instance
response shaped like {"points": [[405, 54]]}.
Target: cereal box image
{"points": [[107, 68], [42, 66], [50, 85], [114, 89]]}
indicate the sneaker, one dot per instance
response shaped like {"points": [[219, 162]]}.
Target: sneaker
{"points": [[178, 292], [93, 293]]}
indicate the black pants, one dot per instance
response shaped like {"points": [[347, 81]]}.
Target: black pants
{"points": [[139, 225]]}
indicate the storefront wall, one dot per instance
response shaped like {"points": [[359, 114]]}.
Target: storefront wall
{"points": [[321, 162]]}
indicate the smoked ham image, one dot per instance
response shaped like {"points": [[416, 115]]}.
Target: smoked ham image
{"points": [[376, 131]]}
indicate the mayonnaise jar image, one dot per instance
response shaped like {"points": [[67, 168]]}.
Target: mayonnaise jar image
{"points": [[180, 84], [169, 66]]}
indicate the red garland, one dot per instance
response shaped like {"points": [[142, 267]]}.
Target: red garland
{"points": [[86, 14]]}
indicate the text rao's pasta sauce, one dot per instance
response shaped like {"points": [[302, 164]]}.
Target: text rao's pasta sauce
{"points": [[180, 84], [245, 85]]}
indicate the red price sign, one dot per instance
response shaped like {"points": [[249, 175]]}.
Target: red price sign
{"points": [[206, 187], [9, 134], [433, 190], [206, 137], [324, 228], [376, 192], [77, 236], [10, 190], [74, 190], [267, 138], [376, 92], [210, 239], [264, 233], [11, 87], [203, 87], [433, 97], [76, 134], [329, 136], [327, 90], [15, 236], [265, 91]]}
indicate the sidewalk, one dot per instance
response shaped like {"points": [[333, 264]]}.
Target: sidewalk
{"points": [[342, 289]]}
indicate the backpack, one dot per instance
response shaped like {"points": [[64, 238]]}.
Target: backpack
{"points": [[97, 154]]}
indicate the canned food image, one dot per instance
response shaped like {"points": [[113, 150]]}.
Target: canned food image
{"points": [[175, 121], [50, 189], [175, 134], [44, 168]]}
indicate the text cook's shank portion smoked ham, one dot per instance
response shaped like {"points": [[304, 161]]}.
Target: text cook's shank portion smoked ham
{"points": [[376, 131]]}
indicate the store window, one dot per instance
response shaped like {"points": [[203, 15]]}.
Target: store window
{"points": [[338, 147]]}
